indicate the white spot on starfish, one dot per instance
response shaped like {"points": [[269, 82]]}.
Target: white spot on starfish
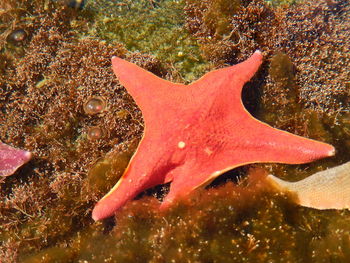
{"points": [[181, 144]]}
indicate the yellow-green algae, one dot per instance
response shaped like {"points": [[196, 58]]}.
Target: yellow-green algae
{"points": [[106, 171], [282, 2], [45, 207], [153, 27]]}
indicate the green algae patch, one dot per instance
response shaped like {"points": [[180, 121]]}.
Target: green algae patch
{"points": [[155, 28], [336, 233], [283, 2], [282, 107], [282, 72], [54, 254], [106, 172], [218, 16]]}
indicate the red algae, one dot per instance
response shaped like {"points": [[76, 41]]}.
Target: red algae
{"points": [[11, 159]]}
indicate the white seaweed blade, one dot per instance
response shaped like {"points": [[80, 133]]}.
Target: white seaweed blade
{"points": [[329, 189]]}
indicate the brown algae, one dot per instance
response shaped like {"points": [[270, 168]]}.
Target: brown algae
{"points": [[45, 209]]}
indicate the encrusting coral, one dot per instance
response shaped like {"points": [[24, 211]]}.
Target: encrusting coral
{"points": [[46, 79]]}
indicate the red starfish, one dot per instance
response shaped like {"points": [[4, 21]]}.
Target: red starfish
{"points": [[195, 133]]}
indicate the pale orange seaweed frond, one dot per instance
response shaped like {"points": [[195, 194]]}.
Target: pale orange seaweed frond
{"points": [[329, 189]]}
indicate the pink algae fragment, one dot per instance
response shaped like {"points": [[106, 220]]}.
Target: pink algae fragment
{"points": [[11, 159]]}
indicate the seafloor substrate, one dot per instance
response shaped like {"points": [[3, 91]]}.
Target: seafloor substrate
{"points": [[63, 59]]}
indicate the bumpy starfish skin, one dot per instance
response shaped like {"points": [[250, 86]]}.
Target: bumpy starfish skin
{"points": [[196, 132]]}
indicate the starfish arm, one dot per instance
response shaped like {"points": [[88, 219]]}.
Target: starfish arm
{"points": [[230, 78], [245, 70], [182, 185], [264, 143], [282, 148], [148, 167], [149, 91]]}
